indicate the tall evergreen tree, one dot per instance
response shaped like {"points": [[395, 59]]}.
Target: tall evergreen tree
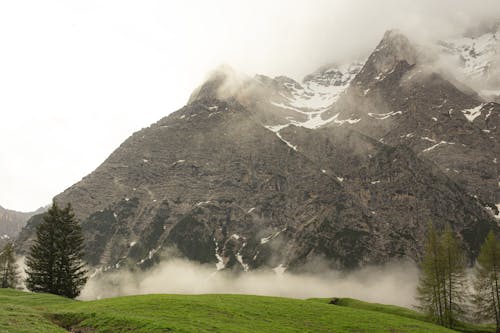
{"points": [[54, 264], [9, 275], [486, 282], [442, 284]]}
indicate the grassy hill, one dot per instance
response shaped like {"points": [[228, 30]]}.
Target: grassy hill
{"points": [[28, 312], [402, 312]]}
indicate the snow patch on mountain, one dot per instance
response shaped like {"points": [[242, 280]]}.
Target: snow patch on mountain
{"points": [[271, 237], [473, 113], [322, 88], [239, 258], [314, 121], [287, 142], [477, 57], [383, 116], [316, 95], [437, 145], [476, 54], [220, 265]]}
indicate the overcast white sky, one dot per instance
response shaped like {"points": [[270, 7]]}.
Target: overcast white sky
{"points": [[78, 77]]}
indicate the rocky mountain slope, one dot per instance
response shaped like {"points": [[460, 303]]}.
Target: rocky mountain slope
{"points": [[398, 98], [344, 169], [11, 223]]}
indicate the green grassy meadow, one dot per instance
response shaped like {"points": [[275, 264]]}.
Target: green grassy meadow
{"points": [[29, 312]]}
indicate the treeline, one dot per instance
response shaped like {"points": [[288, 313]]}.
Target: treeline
{"points": [[54, 263], [444, 290]]}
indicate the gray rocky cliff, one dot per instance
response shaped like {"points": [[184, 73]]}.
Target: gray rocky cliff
{"points": [[347, 168]]}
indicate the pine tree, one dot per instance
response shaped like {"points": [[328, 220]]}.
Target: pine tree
{"points": [[9, 275], [486, 282], [54, 264], [442, 284]]}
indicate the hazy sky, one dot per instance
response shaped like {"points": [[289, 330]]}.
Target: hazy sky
{"points": [[78, 77]]}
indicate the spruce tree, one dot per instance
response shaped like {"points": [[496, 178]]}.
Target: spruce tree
{"points": [[9, 275], [486, 282], [54, 264]]}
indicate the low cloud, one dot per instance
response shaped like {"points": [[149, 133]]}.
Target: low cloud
{"points": [[393, 283]]}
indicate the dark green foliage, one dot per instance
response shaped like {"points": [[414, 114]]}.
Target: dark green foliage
{"points": [[442, 285], [9, 275], [486, 282], [54, 264]]}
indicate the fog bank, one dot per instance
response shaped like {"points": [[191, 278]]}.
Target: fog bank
{"points": [[393, 283]]}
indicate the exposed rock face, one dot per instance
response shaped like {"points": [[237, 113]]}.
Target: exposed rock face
{"points": [[348, 168], [438, 120], [402, 191], [394, 49]]}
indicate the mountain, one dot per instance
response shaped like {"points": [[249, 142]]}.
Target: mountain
{"points": [[344, 169], [438, 119], [399, 99], [11, 223], [477, 55]]}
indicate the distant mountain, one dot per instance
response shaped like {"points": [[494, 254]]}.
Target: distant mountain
{"points": [[11, 223], [344, 169], [478, 58]]}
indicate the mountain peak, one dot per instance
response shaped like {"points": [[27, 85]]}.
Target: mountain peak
{"points": [[394, 52], [393, 48], [393, 33], [222, 83]]}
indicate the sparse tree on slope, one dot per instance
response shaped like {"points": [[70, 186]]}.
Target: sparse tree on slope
{"points": [[430, 287], [9, 275], [54, 264], [486, 282], [455, 280], [441, 289]]}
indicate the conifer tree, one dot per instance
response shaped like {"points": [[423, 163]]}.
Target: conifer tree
{"points": [[455, 280], [486, 282], [9, 275], [54, 264], [429, 290], [442, 284]]}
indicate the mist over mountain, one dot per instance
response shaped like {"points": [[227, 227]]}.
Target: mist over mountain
{"points": [[348, 166]]}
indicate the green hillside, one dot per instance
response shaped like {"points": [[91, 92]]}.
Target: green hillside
{"points": [[28, 312]]}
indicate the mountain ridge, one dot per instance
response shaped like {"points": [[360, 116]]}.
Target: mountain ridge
{"points": [[260, 172]]}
